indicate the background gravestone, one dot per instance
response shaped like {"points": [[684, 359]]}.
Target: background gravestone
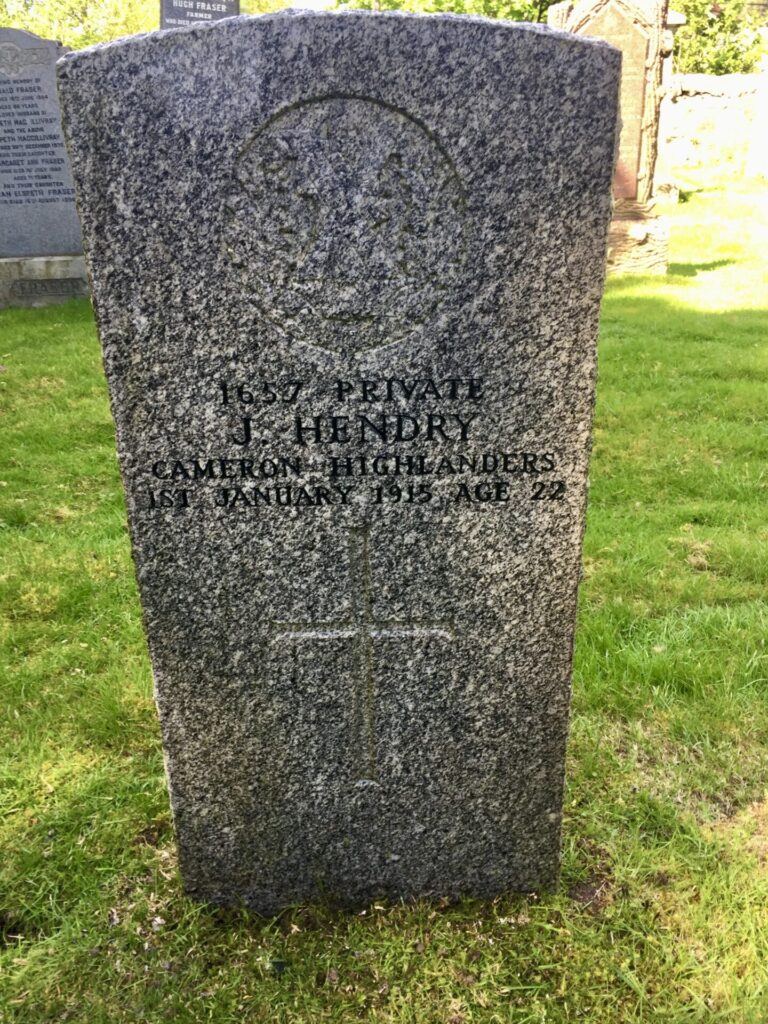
{"points": [[639, 239], [177, 13], [40, 244], [348, 302]]}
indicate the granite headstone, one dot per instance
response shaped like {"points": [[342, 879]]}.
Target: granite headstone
{"points": [[347, 271], [37, 200], [178, 13]]}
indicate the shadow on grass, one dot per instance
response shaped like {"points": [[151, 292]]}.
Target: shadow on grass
{"points": [[694, 269]]}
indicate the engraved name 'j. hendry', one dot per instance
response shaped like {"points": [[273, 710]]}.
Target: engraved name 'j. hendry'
{"points": [[387, 428]]}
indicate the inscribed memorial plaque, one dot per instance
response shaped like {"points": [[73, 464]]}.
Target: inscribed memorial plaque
{"points": [[178, 13], [347, 271], [37, 199]]}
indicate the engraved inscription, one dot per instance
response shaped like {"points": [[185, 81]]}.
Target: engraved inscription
{"points": [[346, 219], [364, 629], [386, 441], [32, 287]]}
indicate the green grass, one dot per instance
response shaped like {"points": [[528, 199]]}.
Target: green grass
{"points": [[662, 911]]}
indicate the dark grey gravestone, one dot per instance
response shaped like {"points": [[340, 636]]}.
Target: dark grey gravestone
{"points": [[37, 199], [178, 13], [347, 270]]}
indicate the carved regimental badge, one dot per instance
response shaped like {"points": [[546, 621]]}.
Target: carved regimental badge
{"points": [[346, 219]]}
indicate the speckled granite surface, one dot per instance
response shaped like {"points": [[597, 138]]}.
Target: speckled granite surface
{"points": [[347, 271]]}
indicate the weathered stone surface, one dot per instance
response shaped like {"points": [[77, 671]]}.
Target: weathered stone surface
{"points": [[347, 271], [42, 280], [638, 241], [639, 237], [37, 200], [714, 128]]}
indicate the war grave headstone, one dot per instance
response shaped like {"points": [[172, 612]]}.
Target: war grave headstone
{"points": [[178, 13], [639, 238], [347, 270], [40, 244]]}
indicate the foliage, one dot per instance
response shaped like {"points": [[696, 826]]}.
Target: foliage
{"points": [[79, 23], [511, 10], [718, 38], [662, 911]]}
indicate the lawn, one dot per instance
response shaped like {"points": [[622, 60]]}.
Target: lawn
{"points": [[662, 910]]}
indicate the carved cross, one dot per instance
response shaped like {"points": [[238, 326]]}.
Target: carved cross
{"points": [[364, 629]]}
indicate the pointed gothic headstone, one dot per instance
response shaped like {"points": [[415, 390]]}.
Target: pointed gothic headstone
{"points": [[639, 239], [347, 271]]}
